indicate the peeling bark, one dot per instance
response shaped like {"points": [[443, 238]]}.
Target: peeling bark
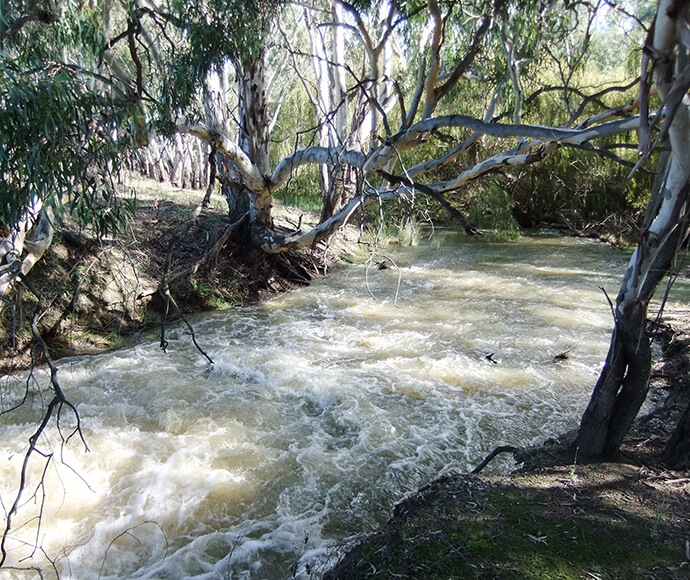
{"points": [[16, 245]]}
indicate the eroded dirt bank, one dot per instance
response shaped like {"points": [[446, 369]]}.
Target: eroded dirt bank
{"points": [[97, 293]]}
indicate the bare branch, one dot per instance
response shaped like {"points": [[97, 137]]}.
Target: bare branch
{"points": [[54, 408], [275, 244], [250, 173], [411, 137], [437, 93], [319, 155]]}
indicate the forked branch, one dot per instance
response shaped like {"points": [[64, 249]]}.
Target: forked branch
{"points": [[57, 403]]}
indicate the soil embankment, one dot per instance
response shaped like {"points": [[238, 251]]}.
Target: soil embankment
{"points": [[95, 293]]}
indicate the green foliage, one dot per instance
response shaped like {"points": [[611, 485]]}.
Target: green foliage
{"points": [[34, 34], [221, 29], [302, 190], [491, 208], [578, 187], [405, 232], [213, 32], [60, 137]]}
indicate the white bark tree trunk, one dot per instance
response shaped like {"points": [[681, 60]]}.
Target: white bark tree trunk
{"points": [[254, 136], [21, 255], [623, 383]]}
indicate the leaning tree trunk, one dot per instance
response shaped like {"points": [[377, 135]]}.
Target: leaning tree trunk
{"points": [[622, 385], [677, 452]]}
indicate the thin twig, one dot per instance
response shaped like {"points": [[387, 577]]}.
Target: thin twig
{"points": [[54, 407], [171, 300], [128, 532], [613, 310]]}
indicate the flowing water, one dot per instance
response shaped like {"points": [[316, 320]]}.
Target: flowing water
{"points": [[324, 408]]}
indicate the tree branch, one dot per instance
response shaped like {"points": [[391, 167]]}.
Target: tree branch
{"points": [[250, 173]]}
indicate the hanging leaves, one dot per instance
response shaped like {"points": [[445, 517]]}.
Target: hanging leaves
{"points": [[61, 130]]}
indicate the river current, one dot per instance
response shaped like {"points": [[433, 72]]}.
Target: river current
{"points": [[324, 407]]}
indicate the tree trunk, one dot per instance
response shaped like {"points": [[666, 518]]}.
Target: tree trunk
{"points": [[324, 100], [254, 136], [622, 385], [16, 245], [677, 452], [239, 202], [328, 60], [343, 188]]}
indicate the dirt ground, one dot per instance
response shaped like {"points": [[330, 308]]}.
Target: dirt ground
{"points": [[96, 293], [605, 521]]}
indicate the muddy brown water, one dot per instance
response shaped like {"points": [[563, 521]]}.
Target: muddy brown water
{"points": [[323, 408]]}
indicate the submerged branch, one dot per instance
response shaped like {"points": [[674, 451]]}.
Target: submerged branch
{"points": [[164, 288]]}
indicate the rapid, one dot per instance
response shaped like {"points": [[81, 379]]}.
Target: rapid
{"points": [[323, 409]]}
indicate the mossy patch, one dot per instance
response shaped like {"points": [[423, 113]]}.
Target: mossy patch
{"points": [[544, 526]]}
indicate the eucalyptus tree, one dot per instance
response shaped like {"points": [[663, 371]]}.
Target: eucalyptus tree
{"points": [[409, 120], [219, 33], [623, 383], [64, 124], [160, 57]]}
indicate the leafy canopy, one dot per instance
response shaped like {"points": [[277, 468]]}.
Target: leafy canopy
{"points": [[63, 126]]}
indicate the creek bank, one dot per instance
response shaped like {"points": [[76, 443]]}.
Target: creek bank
{"points": [[96, 294], [555, 518], [608, 521]]}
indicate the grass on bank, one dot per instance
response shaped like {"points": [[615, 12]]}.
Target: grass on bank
{"points": [[602, 523]]}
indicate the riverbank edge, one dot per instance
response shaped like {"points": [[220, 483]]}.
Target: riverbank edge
{"points": [[96, 295]]}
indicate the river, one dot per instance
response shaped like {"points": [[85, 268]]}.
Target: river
{"points": [[324, 407]]}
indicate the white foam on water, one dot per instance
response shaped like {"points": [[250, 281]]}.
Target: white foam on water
{"points": [[322, 409]]}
